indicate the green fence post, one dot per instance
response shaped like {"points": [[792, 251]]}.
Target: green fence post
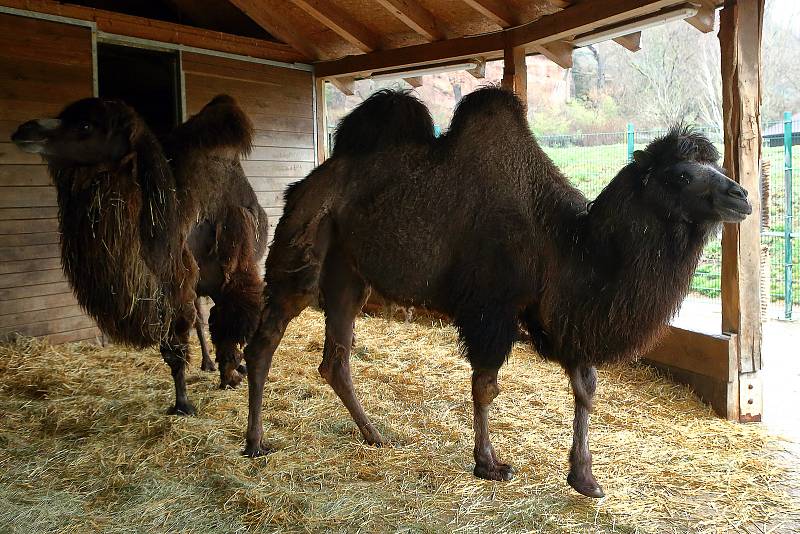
{"points": [[787, 225], [630, 142]]}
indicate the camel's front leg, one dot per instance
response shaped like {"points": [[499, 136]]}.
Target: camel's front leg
{"points": [[175, 351], [584, 384], [484, 390]]}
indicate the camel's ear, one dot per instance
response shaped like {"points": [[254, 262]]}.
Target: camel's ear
{"points": [[643, 159]]}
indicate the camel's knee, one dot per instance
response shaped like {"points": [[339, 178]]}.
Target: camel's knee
{"points": [[484, 386], [334, 356]]}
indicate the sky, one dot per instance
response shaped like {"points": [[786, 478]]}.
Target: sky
{"points": [[783, 11]]}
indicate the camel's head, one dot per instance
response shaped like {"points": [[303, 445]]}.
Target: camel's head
{"points": [[679, 178], [87, 132]]}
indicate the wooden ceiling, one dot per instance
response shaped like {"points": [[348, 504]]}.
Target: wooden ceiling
{"points": [[352, 38]]}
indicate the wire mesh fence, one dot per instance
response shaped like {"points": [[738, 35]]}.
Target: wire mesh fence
{"points": [[592, 160]]}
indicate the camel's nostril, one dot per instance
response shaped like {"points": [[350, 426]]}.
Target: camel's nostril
{"points": [[737, 192]]}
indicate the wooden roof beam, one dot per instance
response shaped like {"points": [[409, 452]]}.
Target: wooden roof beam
{"points": [[166, 32], [414, 81], [562, 25], [261, 15], [348, 28], [584, 18], [632, 41], [559, 52], [415, 16], [494, 10]]}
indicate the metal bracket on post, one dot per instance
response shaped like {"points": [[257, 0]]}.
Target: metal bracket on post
{"points": [[751, 401]]}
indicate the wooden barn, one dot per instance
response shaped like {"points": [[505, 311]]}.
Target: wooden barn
{"points": [[169, 57]]}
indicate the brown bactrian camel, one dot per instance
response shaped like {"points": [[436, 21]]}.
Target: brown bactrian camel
{"points": [[142, 236]]}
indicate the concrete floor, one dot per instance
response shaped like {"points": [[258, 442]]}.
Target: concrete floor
{"points": [[780, 358]]}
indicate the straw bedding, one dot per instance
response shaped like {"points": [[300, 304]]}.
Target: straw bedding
{"points": [[85, 445]]}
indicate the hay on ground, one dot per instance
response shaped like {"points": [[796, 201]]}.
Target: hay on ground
{"points": [[85, 444]]}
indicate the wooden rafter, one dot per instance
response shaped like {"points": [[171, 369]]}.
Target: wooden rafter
{"points": [[415, 16], [632, 41], [347, 85], [563, 25], [156, 30], [704, 20], [559, 52], [414, 81], [494, 10], [264, 17], [334, 18], [480, 69]]}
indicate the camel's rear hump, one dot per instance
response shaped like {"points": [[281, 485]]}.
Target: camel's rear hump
{"points": [[221, 125]]}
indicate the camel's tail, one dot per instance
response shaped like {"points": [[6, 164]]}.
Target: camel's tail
{"points": [[221, 124], [387, 118]]}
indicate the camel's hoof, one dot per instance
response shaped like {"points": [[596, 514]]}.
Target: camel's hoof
{"points": [[232, 380], [182, 408], [254, 451], [494, 471], [587, 486], [372, 436], [208, 366]]}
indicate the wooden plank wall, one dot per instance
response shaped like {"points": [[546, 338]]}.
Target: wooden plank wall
{"points": [[279, 101], [43, 66]]}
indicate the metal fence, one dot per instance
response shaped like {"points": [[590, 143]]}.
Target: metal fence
{"points": [[592, 160]]}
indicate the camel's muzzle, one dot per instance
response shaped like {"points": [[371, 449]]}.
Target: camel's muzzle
{"points": [[34, 135], [730, 200]]}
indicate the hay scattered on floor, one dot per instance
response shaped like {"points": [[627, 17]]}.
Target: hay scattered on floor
{"points": [[85, 444]]}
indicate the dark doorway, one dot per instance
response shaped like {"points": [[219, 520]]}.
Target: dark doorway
{"points": [[146, 80]]}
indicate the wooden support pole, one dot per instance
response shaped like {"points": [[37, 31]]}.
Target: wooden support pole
{"points": [[740, 46], [515, 74], [320, 120]]}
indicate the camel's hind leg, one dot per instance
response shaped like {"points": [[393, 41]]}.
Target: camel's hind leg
{"points": [[344, 293], [278, 311], [207, 364]]}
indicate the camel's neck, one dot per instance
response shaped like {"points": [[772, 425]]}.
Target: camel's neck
{"points": [[100, 253], [628, 272]]}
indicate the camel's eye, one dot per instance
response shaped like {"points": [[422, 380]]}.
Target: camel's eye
{"points": [[84, 127], [683, 179]]}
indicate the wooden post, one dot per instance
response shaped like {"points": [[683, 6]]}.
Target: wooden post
{"points": [[515, 74], [320, 121], [740, 47]]}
